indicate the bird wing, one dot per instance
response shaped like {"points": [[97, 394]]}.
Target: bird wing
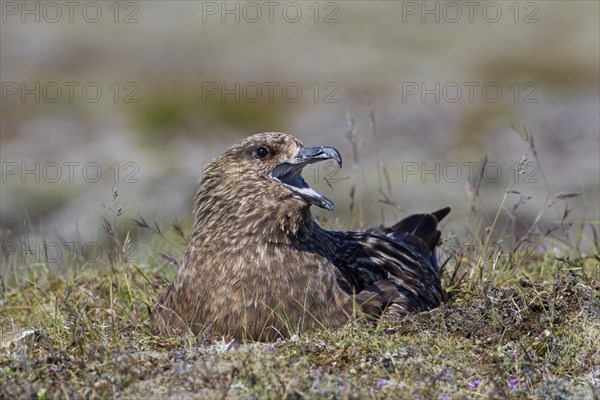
{"points": [[421, 226], [394, 266]]}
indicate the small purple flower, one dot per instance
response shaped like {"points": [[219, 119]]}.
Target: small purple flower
{"points": [[381, 384], [512, 383], [474, 384], [270, 347], [445, 397]]}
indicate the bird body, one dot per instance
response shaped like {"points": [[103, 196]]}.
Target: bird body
{"points": [[259, 267]]}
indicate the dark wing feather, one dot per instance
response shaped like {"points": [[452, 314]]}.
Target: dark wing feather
{"points": [[421, 226], [394, 266], [376, 297]]}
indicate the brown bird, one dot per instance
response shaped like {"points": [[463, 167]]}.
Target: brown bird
{"points": [[259, 267]]}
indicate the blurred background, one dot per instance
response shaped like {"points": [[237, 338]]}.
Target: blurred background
{"points": [[138, 96]]}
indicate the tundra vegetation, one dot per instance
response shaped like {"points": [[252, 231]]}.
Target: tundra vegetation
{"points": [[521, 319]]}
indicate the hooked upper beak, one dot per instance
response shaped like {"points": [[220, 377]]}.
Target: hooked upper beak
{"points": [[289, 174], [310, 155]]}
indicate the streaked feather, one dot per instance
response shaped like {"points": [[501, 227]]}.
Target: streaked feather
{"points": [[259, 267]]}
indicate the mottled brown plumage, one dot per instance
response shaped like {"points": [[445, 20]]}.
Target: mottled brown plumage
{"points": [[259, 267]]}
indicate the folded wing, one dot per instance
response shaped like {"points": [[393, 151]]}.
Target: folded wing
{"points": [[394, 269]]}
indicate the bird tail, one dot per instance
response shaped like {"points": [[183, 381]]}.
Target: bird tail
{"points": [[441, 213], [422, 226]]}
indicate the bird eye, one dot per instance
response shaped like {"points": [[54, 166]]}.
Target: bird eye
{"points": [[262, 152]]}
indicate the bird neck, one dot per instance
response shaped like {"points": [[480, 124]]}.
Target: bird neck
{"points": [[243, 223]]}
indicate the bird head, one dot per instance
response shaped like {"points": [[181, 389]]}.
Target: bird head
{"points": [[270, 165]]}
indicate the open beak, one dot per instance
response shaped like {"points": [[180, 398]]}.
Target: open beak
{"points": [[289, 174]]}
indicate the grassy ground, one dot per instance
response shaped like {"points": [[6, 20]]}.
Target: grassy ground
{"points": [[516, 328], [521, 320]]}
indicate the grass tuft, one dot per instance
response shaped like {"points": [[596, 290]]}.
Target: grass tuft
{"points": [[521, 319]]}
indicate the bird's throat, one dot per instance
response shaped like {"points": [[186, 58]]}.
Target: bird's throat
{"points": [[252, 225]]}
